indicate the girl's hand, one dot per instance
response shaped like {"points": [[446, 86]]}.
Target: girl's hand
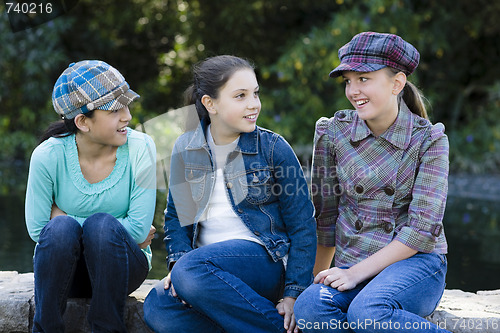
{"points": [[56, 211], [285, 308], [338, 278], [167, 283], [150, 237]]}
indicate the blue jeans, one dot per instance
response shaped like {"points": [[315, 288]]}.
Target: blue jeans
{"points": [[99, 260], [230, 286], [396, 300]]}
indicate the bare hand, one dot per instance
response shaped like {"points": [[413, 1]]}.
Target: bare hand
{"points": [[150, 237], [56, 211], [167, 283], [338, 278], [285, 308]]}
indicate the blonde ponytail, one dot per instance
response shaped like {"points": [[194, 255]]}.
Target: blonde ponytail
{"points": [[414, 100]]}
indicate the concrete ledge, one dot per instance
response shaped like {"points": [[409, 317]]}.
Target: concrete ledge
{"points": [[464, 312], [17, 306], [458, 312]]}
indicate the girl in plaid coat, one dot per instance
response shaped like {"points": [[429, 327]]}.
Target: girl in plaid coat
{"points": [[379, 188]]}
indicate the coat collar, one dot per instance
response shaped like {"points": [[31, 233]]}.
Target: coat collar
{"points": [[398, 134]]}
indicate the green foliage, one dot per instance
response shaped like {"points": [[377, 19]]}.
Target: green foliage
{"points": [[453, 79], [476, 145], [27, 61], [457, 72], [294, 45]]}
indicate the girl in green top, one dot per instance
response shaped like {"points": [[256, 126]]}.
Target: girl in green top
{"points": [[90, 200]]}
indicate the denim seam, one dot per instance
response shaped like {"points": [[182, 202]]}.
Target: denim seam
{"points": [[270, 218]]}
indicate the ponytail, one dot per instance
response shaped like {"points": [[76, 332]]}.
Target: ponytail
{"points": [[414, 100], [62, 128]]}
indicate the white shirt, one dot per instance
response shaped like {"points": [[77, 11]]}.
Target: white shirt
{"points": [[219, 222]]}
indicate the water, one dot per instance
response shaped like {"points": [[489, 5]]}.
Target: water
{"points": [[471, 226]]}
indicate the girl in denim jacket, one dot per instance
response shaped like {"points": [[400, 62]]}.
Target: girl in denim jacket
{"points": [[239, 224], [379, 186]]}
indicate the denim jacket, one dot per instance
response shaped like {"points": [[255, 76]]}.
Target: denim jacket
{"points": [[266, 187]]}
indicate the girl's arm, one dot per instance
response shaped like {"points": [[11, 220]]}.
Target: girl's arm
{"points": [[39, 193], [346, 279], [297, 212], [429, 193], [181, 209], [324, 183], [56, 211], [324, 257], [143, 194]]}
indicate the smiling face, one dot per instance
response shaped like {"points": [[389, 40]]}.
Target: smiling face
{"points": [[374, 95], [108, 128], [236, 108]]}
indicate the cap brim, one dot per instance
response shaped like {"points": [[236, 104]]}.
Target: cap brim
{"points": [[355, 67], [121, 101]]}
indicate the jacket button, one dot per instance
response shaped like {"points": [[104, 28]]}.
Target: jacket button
{"points": [[358, 225], [359, 189], [389, 190], [388, 227], [256, 233], [354, 143], [278, 253], [229, 185], [240, 210], [422, 122], [341, 115]]}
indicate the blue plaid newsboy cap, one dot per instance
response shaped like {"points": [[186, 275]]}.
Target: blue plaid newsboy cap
{"points": [[88, 85], [371, 51]]}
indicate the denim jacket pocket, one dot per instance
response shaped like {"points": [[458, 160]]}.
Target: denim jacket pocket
{"points": [[196, 180], [258, 185]]}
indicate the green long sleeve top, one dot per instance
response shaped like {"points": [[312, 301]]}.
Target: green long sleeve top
{"points": [[128, 193]]}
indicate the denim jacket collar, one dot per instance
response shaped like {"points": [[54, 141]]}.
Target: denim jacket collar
{"points": [[398, 134], [247, 144]]}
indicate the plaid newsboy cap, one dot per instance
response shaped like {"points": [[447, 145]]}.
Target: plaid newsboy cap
{"points": [[371, 51], [88, 85]]}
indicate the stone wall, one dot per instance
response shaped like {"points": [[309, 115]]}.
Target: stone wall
{"points": [[458, 312], [17, 306]]}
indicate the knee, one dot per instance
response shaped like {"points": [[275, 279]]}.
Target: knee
{"points": [[150, 306], [99, 222], [156, 306], [100, 228], [368, 309], [185, 275], [62, 231], [305, 306]]}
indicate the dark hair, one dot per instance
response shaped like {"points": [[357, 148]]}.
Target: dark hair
{"points": [[209, 76], [62, 128], [413, 97]]}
